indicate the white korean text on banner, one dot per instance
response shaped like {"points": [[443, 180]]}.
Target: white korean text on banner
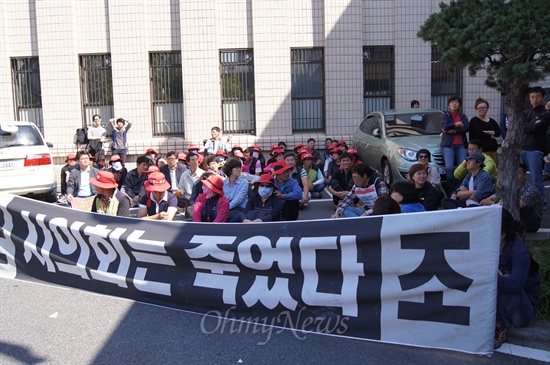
{"points": [[422, 279]]}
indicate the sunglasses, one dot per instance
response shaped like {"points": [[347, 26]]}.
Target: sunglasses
{"points": [[265, 185]]}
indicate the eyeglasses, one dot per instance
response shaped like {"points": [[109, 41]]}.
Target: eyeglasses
{"points": [[482, 108], [422, 156]]}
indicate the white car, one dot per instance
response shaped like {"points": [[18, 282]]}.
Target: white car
{"points": [[26, 164]]}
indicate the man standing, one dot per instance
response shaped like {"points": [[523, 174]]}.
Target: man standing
{"points": [[96, 136], [217, 142], [478, 183], [534, 138], [79, 178], [136, 178], [120, 131]]}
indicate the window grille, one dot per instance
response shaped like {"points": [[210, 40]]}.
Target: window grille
{"points": [[238, 93], [445, 82], [379, 78], [27, 95], [96, 89], [167, 93], [308, 86]]}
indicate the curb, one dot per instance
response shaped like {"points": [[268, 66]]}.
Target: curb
{"points": [[536, 335]]}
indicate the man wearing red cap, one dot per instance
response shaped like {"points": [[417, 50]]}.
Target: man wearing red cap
{"points": [[288, 190], [314, 175], [159, 203], [109, 200]]}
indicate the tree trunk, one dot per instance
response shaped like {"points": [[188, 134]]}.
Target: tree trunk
{"points": [[510, 151]]}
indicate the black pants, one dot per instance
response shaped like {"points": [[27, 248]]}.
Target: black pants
{"points": [[290, 211]]}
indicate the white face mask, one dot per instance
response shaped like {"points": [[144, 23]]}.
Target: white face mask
{"points": [[255, 154], [264, 192], [117, 165]]}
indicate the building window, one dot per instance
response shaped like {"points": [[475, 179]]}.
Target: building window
{"points": [[308, 85], [167, 93], [379, 79], [27, 94], [445, 82], [237, 88], [96, 88]]}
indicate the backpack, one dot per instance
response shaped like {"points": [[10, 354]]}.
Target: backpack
{"points": [[81, 136]]}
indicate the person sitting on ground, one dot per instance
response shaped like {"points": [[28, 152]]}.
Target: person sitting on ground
{"points": [[159, 203], [161, 162], [342, 145], [101, 161], [297, 148], [334, 163], [136, 178], [318, 160], [355, 160], [300, 175], [424, 157], [429, 196], [282, 145], [235, 189], [173, 170], [404, 193], [328, 144], [190, 177], [367, 188], [386, 205], [257, 153], [288, 190], [216, 142], [415, 104], [276, 155], [263, 205], [341, 182], [235, 149], [251, 164], [476, 186], [518, 287], [79, 178], [109, 200], [314, 176], [531, 207], [214, 166], [475, 146], [152, 155], [70, 163], [116, 167], [211, 205], [197, 190]]}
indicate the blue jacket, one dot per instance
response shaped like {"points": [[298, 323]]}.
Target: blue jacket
{"points": [[290, 189], [484, 185], [448, 127]]}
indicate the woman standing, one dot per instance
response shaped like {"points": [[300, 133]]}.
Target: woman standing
{"points": [[429, 196], [485, 129], [211, 205], [454, 142], [518, 287]]}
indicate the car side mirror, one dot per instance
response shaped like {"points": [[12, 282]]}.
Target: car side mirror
{"points": [[49, 144]]}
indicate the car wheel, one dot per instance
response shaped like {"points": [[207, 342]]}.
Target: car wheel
{"points": [[51, 197], [386, 172]]}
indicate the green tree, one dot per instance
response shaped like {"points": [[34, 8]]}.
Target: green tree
{"points": [[511, 41]]}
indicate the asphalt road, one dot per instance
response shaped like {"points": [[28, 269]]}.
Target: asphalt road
{"points": [[42, 324]]}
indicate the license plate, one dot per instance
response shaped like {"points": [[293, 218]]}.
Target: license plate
{"points": [[441, 170], [7, 165]]}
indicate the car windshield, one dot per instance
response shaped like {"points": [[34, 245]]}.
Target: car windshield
{"points": [[413, 124], [26, 135]]}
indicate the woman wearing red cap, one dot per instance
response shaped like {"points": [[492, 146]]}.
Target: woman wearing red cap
{"points": [[264, 206], [211, 205], [109, 200]]}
